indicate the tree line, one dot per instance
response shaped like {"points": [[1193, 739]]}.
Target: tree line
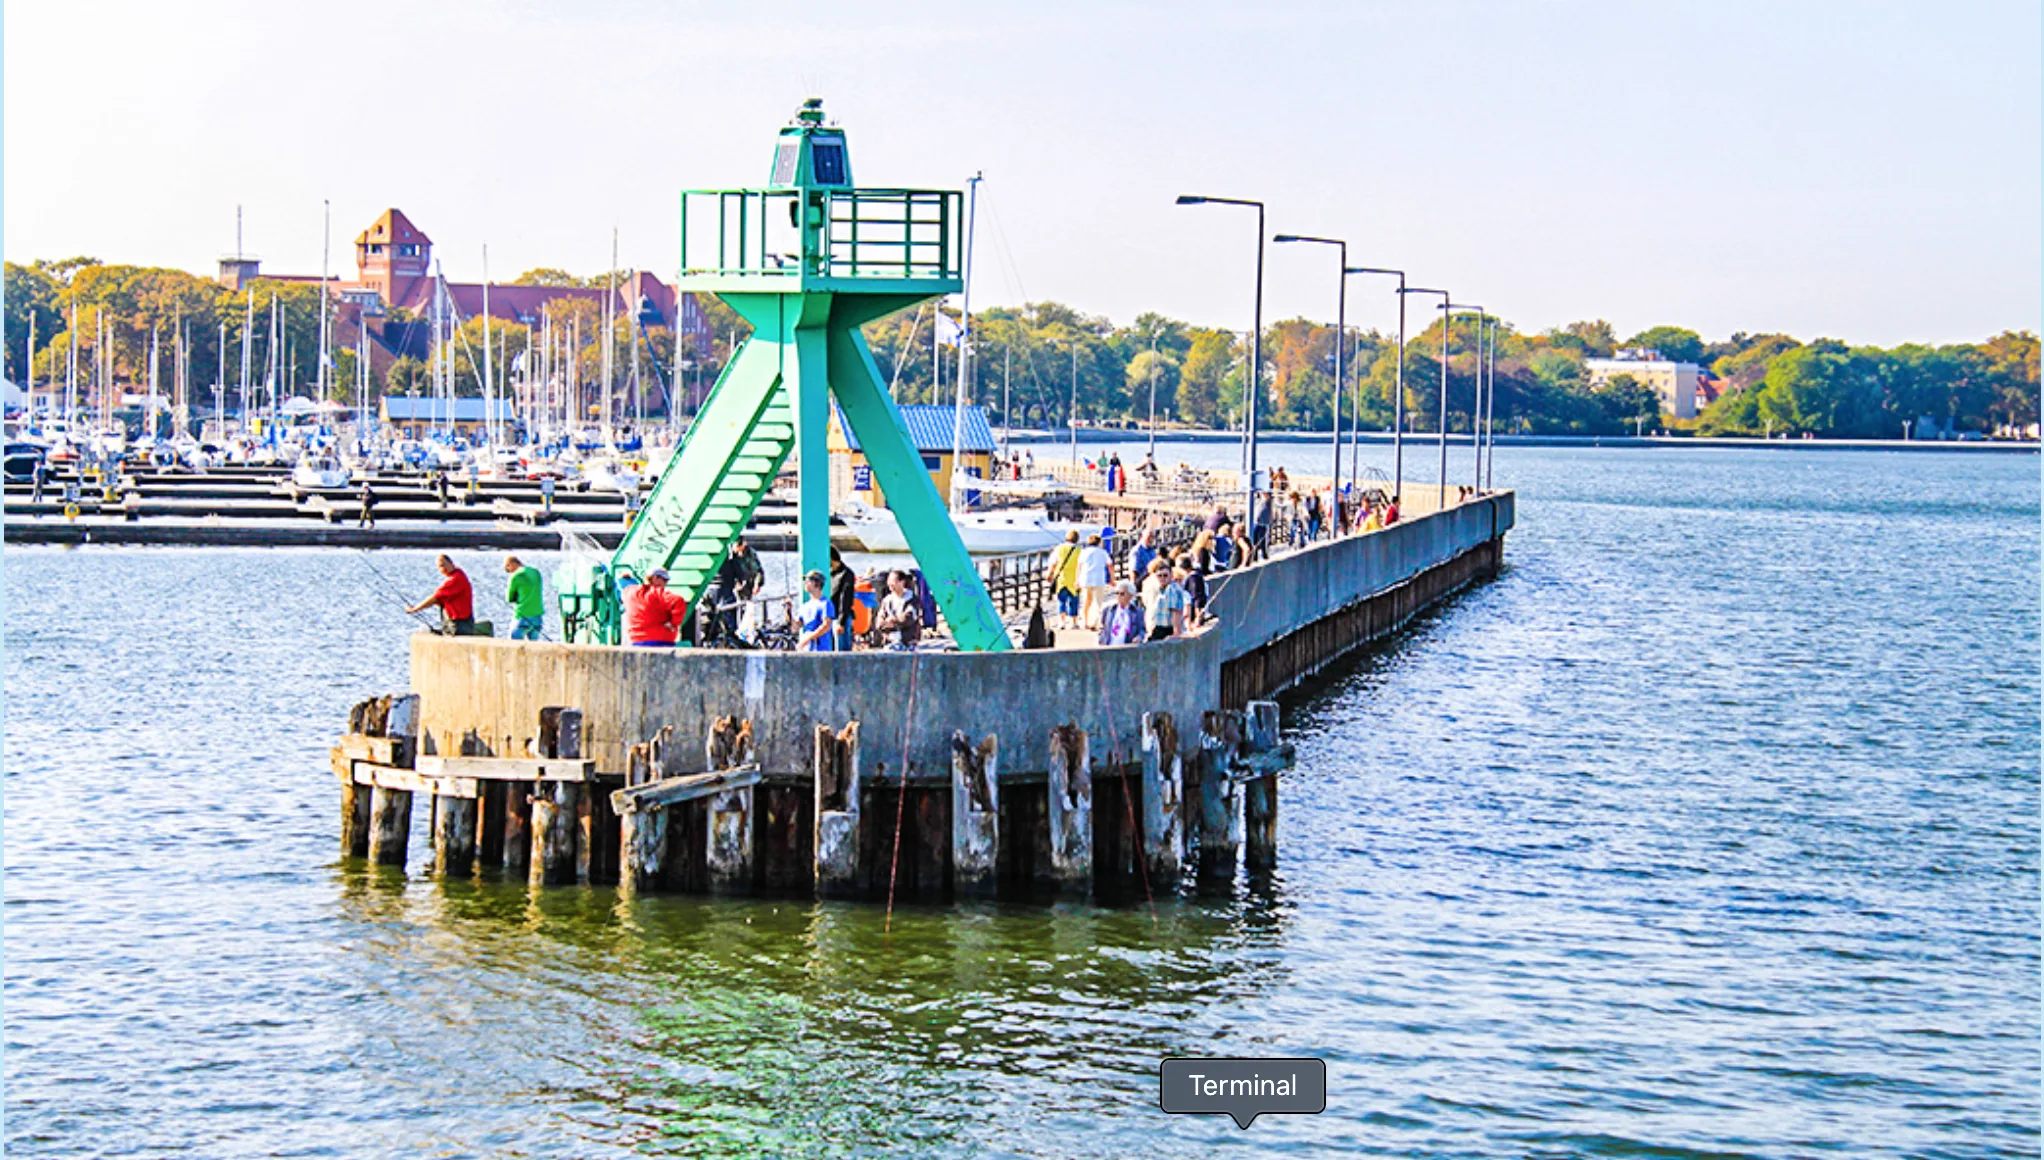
{"points": [[1045, 363]]}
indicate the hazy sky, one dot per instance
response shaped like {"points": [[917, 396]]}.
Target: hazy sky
{"points": [[1868, 171]]}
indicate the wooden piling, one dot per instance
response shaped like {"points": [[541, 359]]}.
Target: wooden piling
{"points": [[729, 842], [454, 838], [1163, 802], [837, 811], [556, 805], [390, 825], [643, 846], [355, 807], [975, 815], [1260, 792], [1071, 810], [1220, 737]]}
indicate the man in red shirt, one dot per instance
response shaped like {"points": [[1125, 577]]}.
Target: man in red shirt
{"points": [[455, 598], [654, 615]]}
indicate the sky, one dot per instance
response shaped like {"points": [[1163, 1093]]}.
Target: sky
{"points": [[1863, 170]]}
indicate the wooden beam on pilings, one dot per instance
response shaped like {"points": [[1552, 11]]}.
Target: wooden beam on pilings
{"points": [[1163, 802], [1071, 810], [556, 805], [652, 796], [975, 815], [837, 870]]}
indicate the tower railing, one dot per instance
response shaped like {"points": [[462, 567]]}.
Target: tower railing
{"points": [[882, 234]]}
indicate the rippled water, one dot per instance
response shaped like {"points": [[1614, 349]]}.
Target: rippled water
{"points": [[1709, 828]]}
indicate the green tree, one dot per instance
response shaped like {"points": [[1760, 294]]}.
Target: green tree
{"points": [[1675, 343], [1208, 363]]}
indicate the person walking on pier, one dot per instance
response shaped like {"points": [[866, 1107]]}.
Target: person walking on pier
{"points": [[817, 617], [1096, 567], [455, 598], [367, 518], [1315, 514], [1167, 602], [900, 614], [1063, 577], [1143, 553], [1123, 620], [38, 477], [654, 614], [527, 598], [546, 495]]}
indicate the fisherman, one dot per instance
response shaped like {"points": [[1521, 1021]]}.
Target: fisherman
{"points": [[816, 616], [527, 598], [1122, 622], [654, 614], [455, 598], [368, 500], [739, 578], [900, 614]]}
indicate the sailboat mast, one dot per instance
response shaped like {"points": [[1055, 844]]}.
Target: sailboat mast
{"points": [[247, 326], [325, 254], [489, 366], [609, 335], [964, 346]]}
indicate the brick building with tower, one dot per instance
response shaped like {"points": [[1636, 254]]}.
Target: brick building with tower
{"points": [[394, 273]]}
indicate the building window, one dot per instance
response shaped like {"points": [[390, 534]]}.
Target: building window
{"points": [[408, 250], [376, 247]]}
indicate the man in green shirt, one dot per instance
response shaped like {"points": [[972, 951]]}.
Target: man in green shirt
{"points": [[527, 597]]}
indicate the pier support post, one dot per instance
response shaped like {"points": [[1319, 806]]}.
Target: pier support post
{"points": [[355, 799], [643, 838], [729, 816], [1163, 794], [837, 811], [454, 838], [390, 825], [1071, 810], [975, 815], [1260, 793], [556, 805], [1220, 736]]}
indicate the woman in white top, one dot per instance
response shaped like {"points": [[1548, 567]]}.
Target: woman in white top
{"points": [[1094, 568]]}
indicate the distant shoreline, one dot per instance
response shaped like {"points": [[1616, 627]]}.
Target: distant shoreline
{"points": [[1098, 435]]}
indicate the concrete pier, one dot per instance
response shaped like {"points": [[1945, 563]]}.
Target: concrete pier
{"points": [[915, 776]]}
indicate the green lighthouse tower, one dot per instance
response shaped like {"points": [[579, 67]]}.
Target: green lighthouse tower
{"points": [[807, 260]]}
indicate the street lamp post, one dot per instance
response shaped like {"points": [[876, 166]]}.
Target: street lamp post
{"points": [[1255, 356], [1397, 406], [1490, 410], [1444, 383], [1340, 343], [1476, 408]]}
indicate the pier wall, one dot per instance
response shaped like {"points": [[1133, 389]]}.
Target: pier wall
{"points": [[497, 688], [1279, 621]]}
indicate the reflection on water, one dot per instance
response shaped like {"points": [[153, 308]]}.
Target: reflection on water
{"points": [[1709, 828]]}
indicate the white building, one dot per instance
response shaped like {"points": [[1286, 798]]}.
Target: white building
{"points": [[1674, 382]]}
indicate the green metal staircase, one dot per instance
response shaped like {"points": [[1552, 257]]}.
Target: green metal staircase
{"points": [[718, 476]]}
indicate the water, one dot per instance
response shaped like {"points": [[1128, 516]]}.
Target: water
{"points": [[1709, 828]]}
